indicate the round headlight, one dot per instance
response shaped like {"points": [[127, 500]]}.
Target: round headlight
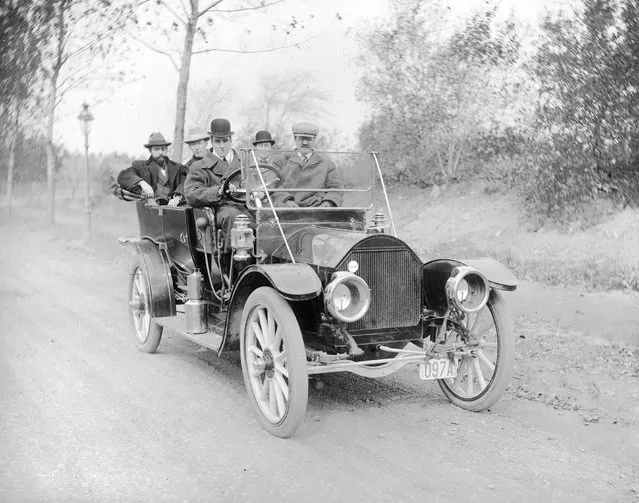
{"points": [[352, 266], [467, 289], [463, 289], [341, 297], [347, 297]]}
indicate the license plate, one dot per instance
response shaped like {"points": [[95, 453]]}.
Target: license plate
{"points": [[437, 368]]}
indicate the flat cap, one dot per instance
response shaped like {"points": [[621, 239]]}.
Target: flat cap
{"points": [[305, 128]]}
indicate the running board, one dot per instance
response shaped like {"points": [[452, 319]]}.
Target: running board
{"points": [[212, 339]]}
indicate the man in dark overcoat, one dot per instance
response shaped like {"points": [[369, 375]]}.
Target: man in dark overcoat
{"points": [[306, 168], [203, 185], [158, 177], [197, 140]]}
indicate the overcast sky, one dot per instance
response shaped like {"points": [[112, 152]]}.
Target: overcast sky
{"points": [[124, 120]]}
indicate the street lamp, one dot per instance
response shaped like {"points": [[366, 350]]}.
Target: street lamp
{"points": [[85, 119]]}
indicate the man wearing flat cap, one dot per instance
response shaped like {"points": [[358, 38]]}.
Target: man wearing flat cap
{"points": [[306, 168], [203, 185], [157, 177], [197, 139]]}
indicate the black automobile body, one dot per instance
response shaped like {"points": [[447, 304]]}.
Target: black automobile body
{"points": [[317, 290]]}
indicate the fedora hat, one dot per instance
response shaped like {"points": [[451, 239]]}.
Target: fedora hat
{"points": [[196, 134], [157, 140], [221, 128], [263, 137]]}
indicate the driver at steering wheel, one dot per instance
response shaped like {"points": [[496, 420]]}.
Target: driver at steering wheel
{"points": [[204, 182]]}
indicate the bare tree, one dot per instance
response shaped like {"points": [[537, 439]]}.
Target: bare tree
{"points": [[81, 34], [20, 69], [203, 100], [285, 99], [195, 21]]}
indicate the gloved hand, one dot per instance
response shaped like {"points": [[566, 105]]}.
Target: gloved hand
{"points": [[147, 190], [327, 204], [175, 201], [291, 203]]}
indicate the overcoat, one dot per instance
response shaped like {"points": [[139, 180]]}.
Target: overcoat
{"points": [[205, 178], [149, 171], [318, 172]]}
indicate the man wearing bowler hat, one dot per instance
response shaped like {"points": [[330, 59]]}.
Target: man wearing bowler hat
{"points": [[158, 177], [263, 145], [203, 185], [197, 139], [306, 168]]}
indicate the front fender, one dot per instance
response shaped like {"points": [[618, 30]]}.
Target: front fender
{"points": [[294, 282], [157, 269], [437, 272]]}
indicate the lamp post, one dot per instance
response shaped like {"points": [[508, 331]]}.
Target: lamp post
{"points": [[85, 119]]}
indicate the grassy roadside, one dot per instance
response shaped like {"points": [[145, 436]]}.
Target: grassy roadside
{"points": [[465, 221]]}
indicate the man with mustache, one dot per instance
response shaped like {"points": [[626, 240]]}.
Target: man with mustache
{"points": [[306, 168], [157, 178]]}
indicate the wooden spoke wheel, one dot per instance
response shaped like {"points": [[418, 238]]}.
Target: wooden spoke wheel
{"points": [[274, 362], [146, 333], [485, 369]]}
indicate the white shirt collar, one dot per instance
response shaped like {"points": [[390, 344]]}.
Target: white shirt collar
{"points": [[308, 156], [229, 156]]}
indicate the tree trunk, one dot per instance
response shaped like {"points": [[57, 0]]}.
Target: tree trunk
{"points": [[183, 83], [50, 154], [12, 155]]}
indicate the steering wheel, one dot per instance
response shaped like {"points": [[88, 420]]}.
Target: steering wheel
{"points": [[271, 175]]}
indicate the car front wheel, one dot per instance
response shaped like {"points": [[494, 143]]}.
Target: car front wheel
{"points": [[485, 368], [274, 362]]}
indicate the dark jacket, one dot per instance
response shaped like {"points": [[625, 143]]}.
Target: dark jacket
{"points": [[205, 178], [318, 172], [149, 171], [192, 161]]}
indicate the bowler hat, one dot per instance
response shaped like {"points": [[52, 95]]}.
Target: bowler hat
{"points": [[221, 128], [305, 129], [263, 137], [196, 134], [157, 140]]}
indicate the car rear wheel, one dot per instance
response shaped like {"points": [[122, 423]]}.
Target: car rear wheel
{"points": [[485, 369], [146, 333], [274, 362]]}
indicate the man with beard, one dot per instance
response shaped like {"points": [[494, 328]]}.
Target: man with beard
{"points": [[305, 168], [196, 139], [158, 178], [203, 185]]}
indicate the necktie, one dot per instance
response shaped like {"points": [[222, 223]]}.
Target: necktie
{"points": [[304, 158]]}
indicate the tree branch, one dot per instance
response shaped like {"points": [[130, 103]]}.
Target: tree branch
{"points": [[271, 49], [206, 9], [155, 49], [175, 14], [226, 11]]}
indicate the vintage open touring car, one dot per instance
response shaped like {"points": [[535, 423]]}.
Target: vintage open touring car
{"points": [[311, 290]]}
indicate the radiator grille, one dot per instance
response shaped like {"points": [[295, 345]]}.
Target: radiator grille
{"points": [[394, 277]]}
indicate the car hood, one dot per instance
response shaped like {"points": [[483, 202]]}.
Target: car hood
{"points": [[321, 246]]}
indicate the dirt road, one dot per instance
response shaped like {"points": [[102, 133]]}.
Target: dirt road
{"points": [[85, 417]]}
